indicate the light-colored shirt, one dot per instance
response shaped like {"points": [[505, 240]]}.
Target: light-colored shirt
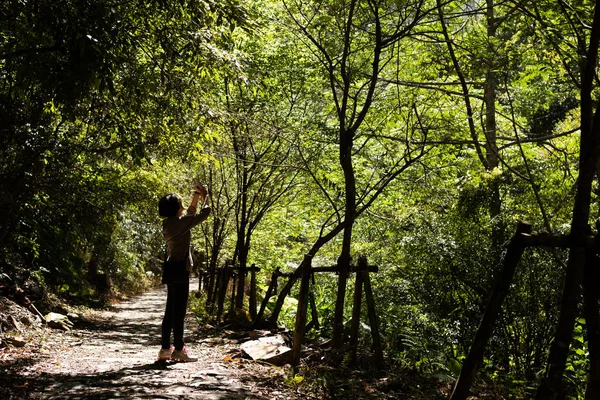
{"points": [[176, 231]]}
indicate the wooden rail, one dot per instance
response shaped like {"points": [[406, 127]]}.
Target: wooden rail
{"points": [[224, 275]]}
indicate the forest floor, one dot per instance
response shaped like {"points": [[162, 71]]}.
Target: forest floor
{"points": [[111, 354]]}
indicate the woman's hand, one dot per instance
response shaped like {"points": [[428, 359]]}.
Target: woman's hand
{"points": [[202, 190]]}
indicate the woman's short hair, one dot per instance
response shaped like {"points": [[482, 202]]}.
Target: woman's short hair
{"points": [[169, 205]]}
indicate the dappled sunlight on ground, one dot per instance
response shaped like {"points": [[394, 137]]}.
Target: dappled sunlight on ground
{"points": [[113, 356]]}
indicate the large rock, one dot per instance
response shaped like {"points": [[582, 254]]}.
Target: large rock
{"points": [[269, 349], [58, 321]]}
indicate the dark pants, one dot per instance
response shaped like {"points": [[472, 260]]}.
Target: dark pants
{"points": [[177, 297]]}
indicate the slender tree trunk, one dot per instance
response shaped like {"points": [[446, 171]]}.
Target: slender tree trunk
{"points": [[241, 249], [491, 143], [345, 256], [486, 327], [498, 227], [252, 298], [491, 146], [217, 245], [300, 327], [551, 387], [285, 291]]}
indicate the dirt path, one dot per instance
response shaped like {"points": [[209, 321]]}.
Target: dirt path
{"points": [[114, 357]]}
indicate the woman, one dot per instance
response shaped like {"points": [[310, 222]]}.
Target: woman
{"points": [[176, 274]]}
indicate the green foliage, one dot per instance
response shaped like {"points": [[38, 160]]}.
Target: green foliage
{"points": [[197, 305], [106, 106], [91, 93], [294, 380], [578, 362]]}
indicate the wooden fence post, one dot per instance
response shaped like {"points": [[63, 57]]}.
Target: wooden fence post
{"points": [[225, 276], [486, 327], [270, 292], [373, 320], [242, 270], [314, 321], [300, 327], [354, 329]]}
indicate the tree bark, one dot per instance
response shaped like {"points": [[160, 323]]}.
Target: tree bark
{"points": [[346, 132], [345, 257]]}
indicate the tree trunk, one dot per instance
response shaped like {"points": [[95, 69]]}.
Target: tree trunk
{"points": [[300, 327], [285, 291], [270, 291], [499, 293], [551, 387], [241, 250], [354, 328], [345, 257], [592, 322], [491, 144], [217, 243]]}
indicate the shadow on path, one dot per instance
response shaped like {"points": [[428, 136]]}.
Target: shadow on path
{"points": [[142, 382], [113, 357]]}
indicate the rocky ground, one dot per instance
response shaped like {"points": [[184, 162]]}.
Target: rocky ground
{"points": [[111, 354]]}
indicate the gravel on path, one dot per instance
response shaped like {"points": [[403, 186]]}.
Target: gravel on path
{"points": [[114, 357]]}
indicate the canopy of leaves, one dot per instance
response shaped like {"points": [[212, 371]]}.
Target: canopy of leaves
{"points": [[105, 106]]}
